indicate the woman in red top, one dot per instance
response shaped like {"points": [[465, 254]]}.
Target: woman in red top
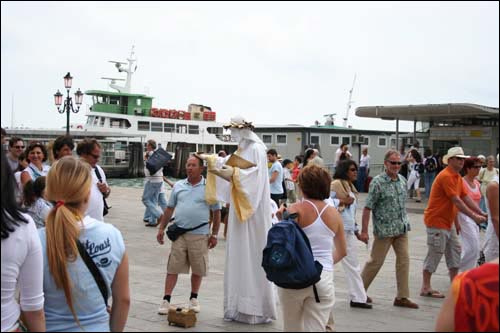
{"points": [[472, 302]]}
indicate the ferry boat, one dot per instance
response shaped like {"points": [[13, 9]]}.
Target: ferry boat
{"points": [[122, 112]]}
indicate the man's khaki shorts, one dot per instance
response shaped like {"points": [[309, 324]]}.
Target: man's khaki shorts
{"points": [[189, 251], [439, 242]]}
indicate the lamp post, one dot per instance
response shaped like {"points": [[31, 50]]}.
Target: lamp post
{"points": [[68, 103]]}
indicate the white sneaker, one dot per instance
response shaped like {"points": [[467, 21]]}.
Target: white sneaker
{"points": [[164, 307], [194, 305]]}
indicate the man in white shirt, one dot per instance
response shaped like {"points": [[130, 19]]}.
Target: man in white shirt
{"points": [[364, 170], [89, 150]]}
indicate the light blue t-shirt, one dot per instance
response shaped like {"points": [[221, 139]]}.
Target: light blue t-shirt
{"points": [[191, 209], [348, 213], [277, 185], [104, 243]]}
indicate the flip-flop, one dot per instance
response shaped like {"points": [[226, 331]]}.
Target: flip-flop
{"points": [[432, 294]]}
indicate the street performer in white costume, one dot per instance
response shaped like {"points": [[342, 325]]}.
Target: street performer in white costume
{"points": [[248, 295]]}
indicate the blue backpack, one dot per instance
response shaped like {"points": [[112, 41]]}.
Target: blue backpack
{"points": [[288, 259]]}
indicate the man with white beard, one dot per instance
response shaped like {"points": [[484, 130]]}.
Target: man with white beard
{"points": [[248, 295]]}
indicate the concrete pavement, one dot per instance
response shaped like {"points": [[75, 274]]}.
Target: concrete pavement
{"points": [[148, 262]]}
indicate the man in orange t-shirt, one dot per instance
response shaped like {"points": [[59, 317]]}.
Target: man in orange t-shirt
{"points": [[448, 196]]}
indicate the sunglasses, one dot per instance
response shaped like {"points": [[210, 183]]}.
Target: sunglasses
{"points": [[95, 156], [394, 162], [353, 169], [19, 147], [477, 166]]}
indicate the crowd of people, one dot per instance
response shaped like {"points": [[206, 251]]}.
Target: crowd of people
{"points": [[66, 262]]}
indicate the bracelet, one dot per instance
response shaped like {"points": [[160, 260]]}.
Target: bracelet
{"points": [[213, 236]]}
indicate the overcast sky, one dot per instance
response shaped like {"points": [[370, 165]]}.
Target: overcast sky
{"points": [[274, 63]]}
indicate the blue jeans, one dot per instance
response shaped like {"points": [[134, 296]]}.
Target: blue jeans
{"points": [[360, 182], [428, 180], [150, 198]]}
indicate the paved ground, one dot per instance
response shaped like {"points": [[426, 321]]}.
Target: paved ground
{"points": [[148, 268]]}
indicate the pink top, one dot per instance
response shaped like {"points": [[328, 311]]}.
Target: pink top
{"points": [[474, 193]]}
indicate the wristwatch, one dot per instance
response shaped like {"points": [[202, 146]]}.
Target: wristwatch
{"points": [[213, 236]]}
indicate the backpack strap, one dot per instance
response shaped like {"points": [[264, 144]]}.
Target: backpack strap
{"points": [[316, 296], [36, 174], [306, 239], [96, 273]]}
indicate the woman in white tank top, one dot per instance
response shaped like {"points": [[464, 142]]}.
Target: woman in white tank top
{"points": [[323, 226]]}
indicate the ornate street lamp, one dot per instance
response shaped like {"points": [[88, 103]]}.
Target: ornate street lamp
{"points": [[68, 103]]}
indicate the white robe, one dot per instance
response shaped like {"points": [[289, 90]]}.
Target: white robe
{"points": [[248, 295]]}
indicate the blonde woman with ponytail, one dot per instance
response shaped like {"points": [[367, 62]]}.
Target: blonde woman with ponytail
{"points": [[73, 301]]}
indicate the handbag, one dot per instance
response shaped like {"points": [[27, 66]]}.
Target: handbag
{"points": [[96, 273], [158, 160], [174, 231], [106, 208]]}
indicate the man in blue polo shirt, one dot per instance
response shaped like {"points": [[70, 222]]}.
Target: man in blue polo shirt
{"points": [[191, 248]]}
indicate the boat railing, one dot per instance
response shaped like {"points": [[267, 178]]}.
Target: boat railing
{"points": [[224, 137]]}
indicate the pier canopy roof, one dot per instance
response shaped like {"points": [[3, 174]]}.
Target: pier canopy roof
{"points": [[428, 112]]}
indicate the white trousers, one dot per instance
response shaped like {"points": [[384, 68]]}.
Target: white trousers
{"points": [[352, 270], [469, 234], [491, 243], [414, 178], [301, 313]]}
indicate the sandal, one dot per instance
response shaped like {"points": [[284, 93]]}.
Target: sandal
{"points": [[432, 294]]}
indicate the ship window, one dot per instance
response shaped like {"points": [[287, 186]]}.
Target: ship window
{"points": [[181, 129], [114, 100], [143, 125], [103, 119], [169, 128], [334, 140], [194, 129], [138, 101], [156, 127], [281, 139], [267, 138], [366, 141], [346, 140], [315, 139], [382, 141]]}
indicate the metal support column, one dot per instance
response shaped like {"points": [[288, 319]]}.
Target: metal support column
{"points": [[397, 134]]}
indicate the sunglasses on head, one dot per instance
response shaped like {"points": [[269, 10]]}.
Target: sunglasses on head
{"points": [[394, 162]]}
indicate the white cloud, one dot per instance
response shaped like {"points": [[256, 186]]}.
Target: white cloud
{"points": [[276, 63]]}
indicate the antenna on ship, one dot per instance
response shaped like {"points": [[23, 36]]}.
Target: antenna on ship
{"points": [[329, 119], [349, 103], [128, 82]]}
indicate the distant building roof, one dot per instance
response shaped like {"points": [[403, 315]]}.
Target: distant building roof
{"points": [[113, 93], [427, 112]]}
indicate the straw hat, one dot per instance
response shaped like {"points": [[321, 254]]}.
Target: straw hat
{"points": [[454, 152], [239, 122]]}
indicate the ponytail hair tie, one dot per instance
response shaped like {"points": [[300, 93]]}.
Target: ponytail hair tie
{"points": [[59, 203]]}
